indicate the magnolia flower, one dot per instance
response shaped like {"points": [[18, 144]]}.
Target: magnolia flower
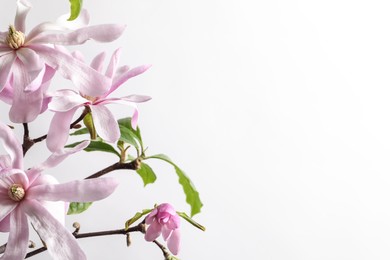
{"points": [[25, 56], [29, 196], [66, 102], [164, 219]]}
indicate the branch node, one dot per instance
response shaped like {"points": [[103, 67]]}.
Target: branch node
{"points": [[77, 226]]}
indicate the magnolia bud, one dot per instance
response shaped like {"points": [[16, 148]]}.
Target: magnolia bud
{"points": [[15, 39]]}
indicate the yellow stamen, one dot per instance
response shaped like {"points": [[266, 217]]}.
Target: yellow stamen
{"points": [[15, 39]]}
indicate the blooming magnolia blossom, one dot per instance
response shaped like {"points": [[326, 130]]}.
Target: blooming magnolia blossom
{"points": [[164, 220], [27, 57], [29, 196], [66, 102]]}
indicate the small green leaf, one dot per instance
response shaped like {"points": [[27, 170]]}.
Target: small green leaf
{"points": [[192, 195], [147, 174], [78, 207], [126, 123], [136, 217], [97, 146], [127, 136], [190, 220], [81, 131], [75, 9]]}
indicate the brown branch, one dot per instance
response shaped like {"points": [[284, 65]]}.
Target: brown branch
{"points": [[133, 165], [138, 228]]}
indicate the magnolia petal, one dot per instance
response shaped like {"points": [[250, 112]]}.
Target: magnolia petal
{"points": [[5, 224], [60, 243], [153, 231], [61, 155], [113, 63], [173, 242], [166, 232], [98, 62], [120, 71], [65, 100], [129, 74], [30, 59], [26, 106], [23, 7], [18, 237], [105, 123], [5, 162], [7, 92], [86, 79], [62, 24], [80, 190], [12, 146], [58, 133], [99, 33], [6, 64], [150, 217]]}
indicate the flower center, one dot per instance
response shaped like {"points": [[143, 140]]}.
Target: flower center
{"points": [[90, 98], [15, 39], [16, 192]]}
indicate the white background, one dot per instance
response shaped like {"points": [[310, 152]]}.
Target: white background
{"points": [[277, 110]]}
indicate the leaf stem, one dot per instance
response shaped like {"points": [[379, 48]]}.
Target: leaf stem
{"points": [[133, 165]]}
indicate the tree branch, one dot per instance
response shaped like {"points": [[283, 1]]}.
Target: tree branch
{"points": [[139, 228], [133, 165]]}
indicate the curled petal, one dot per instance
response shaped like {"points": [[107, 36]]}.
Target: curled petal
{"points": [[30, 59], [58, 133], [12, 146], [18, 238], [150, 217], [153, 231], [23, 7], [60, 243], [79, 190], [174, 242], [105, 123]]}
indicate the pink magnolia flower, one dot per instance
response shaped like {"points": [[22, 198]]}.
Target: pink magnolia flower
{"points": [[164, 220], [27, 57], [66, 102], [29, 196]]}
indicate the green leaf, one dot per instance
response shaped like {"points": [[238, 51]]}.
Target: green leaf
{"points": [[81, 131], [136, 134], [192, 195], [127, 136], [78, 207], [147, 174], [75, 9], [136, 217], [97, 146], [190, 220]]}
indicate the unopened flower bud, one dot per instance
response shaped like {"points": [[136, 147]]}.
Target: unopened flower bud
{"points": [[16, 192], [15, 39]]}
